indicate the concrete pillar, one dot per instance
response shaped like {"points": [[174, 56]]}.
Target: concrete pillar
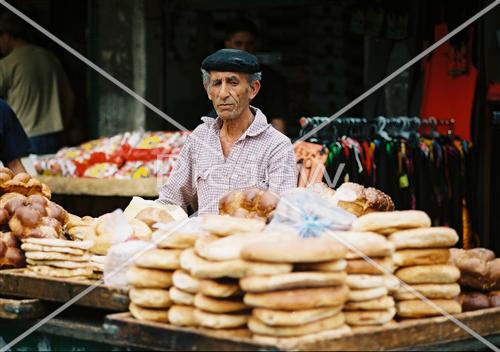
{"points": [[118, 46]]}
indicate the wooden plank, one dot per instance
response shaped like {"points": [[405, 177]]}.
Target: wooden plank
{"points": [[402, 335], [146, 187], [23, 283], [21, 309], [159, 336]]}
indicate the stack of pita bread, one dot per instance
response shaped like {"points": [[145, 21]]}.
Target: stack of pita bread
{"points": [[369, 267], [180, 236], [422, 254], [305, 299], [60, 258], [160, 289], [150, 279], [213, 268]]}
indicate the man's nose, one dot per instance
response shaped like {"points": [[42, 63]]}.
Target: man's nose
{"points": [[224, 91]]}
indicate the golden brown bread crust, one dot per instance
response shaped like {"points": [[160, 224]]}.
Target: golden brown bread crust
{"points": [[22, 183], [409, 257], [418, 309], [429, 274], [10, 254], [478, 268], [359, 200], [299, 298], [250, 203], [293, 250]]}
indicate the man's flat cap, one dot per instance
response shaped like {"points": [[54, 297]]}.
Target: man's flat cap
{"points": [[231, 60]]}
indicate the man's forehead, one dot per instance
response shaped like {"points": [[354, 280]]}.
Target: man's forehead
{"points": [[226, 74]]}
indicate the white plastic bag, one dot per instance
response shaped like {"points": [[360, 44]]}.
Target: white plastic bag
{"points": [[119, 258], [309, 214]]}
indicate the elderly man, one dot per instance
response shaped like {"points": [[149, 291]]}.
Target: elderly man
{"points": [[236, 150]]}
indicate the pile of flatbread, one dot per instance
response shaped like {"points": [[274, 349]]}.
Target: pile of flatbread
{"points": [[159, 291], [428, 284], [62, 258], [207, 286], [305, 298], [369, 268]]}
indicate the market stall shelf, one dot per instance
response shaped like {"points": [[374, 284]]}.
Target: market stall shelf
{"points": [[23, 283], [21, 309], [144, 187], [405, 334]]}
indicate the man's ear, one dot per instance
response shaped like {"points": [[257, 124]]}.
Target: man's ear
{"points": [[254, 88]]}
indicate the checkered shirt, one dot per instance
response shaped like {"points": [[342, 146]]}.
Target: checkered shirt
{"points": [[262, 157]]}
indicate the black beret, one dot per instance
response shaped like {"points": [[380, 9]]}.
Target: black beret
{"points": [[232, 60]]}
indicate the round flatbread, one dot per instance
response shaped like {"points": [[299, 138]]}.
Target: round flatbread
{"points": [[367, 294], [211, 247], [293, 250], [150, 298], [299, 298], [429, 274], [392, 283], [149, 278], [52, 242], [140, 313], [379, 221], [432, 237], [50, 271], [165, 259], [363, 244], [361, 281], [219, 305], [220, 288], [373, 266], [276, 317], [181, 297], [333, 322], [381, 303], [411, 257], [224, 225], [220, 321], [432, 291], [329, 266], [294, 343], [417, 309], [30, 247], [56, 256], [204, 269], [182, 316], [292, 280], [184, 281], [59, 264], [370, 317]]}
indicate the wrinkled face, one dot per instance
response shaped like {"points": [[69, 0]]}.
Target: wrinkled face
{"points": [[242, 41], [231, 93]]}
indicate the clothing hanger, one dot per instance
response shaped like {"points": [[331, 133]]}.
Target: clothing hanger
{"points": [[381, 132]]}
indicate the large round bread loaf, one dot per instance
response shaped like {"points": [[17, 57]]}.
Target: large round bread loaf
{"points": [[432, 291], [432, 237], [418, 309], [299, 298], [292, 280], [150, 298], [296, 250], [276, 317], [369, 317], [182, 316], [166, 259], [140, 313], [149, 278], [429, 274], [410, 257], [220, 321], [333, 322], [381, 221]]}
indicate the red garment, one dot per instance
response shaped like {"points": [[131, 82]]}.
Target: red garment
{"points": [[445, 96]]}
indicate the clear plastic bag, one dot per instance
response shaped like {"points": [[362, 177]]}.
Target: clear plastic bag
{"points": [[309, 214], [119, 258]]}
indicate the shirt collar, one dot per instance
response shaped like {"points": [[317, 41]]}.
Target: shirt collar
{"points": [[258, 125]]}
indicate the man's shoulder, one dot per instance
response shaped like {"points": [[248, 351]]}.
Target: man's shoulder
{"points": [[276, 137]]}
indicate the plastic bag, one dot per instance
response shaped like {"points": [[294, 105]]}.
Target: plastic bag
{"points": [[309, 214], [119, 258]]}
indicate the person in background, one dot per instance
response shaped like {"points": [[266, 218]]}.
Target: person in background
{"points": [[14, 143], [243, 34], [34, 84]]}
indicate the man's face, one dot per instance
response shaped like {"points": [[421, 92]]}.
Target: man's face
{"points": [[231, 93], [242, 41]]}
